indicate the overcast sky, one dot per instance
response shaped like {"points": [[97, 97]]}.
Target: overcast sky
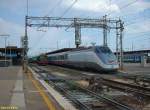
{"points": [[134, 13]]}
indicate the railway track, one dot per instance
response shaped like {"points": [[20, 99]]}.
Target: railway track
{"points": [[127, 87], [135, 78], [82, 98]]}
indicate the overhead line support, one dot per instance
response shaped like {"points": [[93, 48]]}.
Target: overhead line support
{"points": [[25, 48], [78, 24]]}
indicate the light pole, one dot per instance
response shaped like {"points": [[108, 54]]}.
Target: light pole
{"points": [[10, 57], [5, 37]]}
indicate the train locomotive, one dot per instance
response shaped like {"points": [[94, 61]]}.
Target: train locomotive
{"points": [[98, 58]]}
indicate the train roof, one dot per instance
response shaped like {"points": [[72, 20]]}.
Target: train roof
{"points": [[71, 49], [60, 50], [68, 49]]}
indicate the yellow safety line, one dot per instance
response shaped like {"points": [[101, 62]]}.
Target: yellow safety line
{"points": [[42, 93]]}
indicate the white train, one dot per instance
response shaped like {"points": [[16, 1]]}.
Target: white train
{"points": [[98, 58]]}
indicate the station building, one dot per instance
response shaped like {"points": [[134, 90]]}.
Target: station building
{"points": [[138, 56], [11, 55]]}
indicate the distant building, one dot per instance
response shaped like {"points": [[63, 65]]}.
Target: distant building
{"points": [[136, 56], [13, 56]]}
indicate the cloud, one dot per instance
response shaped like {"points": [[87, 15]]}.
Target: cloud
{"points": [[37, 39], [14, 25], [94, 6], [7, 27], [138, 27], [47, 41], [14, 30], [35, 7], [137, 33], [142, 5], [128, 8]]}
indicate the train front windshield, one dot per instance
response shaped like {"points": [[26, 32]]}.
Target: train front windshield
{"points": [[102, 50], [106, 55], [105, 50]]}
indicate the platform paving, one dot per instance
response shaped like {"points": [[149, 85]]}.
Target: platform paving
{"points": [[18, 91], [136, 68]]}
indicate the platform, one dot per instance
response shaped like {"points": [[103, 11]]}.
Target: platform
{"points": [[18, 92], [136, 68]]}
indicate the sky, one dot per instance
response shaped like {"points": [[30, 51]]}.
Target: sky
{"points": [[134, 13]]}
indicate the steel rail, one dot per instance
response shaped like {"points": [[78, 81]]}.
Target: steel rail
{"points": [[128, 84], [97, 96], [60, 89], [105, 98], [127, 87], [77, 102]]}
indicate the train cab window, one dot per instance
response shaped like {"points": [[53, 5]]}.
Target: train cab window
{"points": [[97, 50], [105, 50]]}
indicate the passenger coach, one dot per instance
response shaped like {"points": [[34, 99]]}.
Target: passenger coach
{"points": [[98, 58]]}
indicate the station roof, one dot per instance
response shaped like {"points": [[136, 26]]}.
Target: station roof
{"points": [[136, 51], [67, 49], [12, 48]]}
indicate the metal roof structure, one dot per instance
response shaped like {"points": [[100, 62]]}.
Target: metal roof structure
{"points": [[12, 48], [67, 49], [136, 51]]}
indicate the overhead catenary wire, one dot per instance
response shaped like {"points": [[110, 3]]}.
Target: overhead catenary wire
{"points": [[125, 6], [66, 11], [54, 7], [51, 10], [134, 21], [121, 8], [27, 8]]}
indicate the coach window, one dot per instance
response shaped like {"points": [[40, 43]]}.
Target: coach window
{"points": [[62, 57], [65, 56]]}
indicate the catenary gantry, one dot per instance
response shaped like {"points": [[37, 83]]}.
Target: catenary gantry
{"points": [[77, 23]]}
